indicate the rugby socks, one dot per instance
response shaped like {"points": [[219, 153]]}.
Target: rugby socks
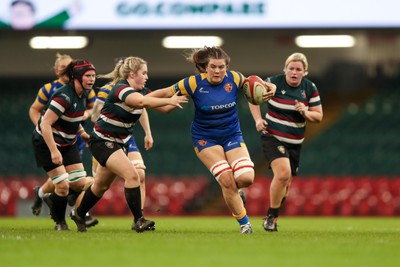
{"points": [[72, 197], [274, 212], [242, 218], [133, 198], [59, 205], [88, 201]]}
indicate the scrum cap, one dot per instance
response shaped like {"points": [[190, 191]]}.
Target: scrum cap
{"points": [[80, 67]]}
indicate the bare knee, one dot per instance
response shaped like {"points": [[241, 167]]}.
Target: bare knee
{"points": [[88, 182], [142, 176], [140, 167], [99, 188], [227, 182], [62, 188], [245, 180], [283, 178]]}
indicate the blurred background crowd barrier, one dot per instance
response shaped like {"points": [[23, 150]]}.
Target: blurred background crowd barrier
{"points": [[188, 195]]}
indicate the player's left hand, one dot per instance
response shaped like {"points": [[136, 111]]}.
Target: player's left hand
{"points": [[177, 100], [271, 89], [300, 107], [85, 138]]}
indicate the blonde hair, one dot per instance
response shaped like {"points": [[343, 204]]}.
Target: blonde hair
{"points": [[59, 58], [123, 68], [297, 57]]}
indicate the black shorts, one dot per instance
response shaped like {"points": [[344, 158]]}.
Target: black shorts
{"points": [[102, 149], [273, 149], [42, 153]]}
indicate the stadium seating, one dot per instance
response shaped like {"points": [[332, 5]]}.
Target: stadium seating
{"points": [[350, 169], [170, 196], [363, 141], [165, 195]]}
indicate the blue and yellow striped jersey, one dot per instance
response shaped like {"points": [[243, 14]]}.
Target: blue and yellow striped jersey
{"points": [[215, 105]]}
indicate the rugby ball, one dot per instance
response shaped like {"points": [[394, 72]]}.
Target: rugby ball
{"points": [[254, 89]]}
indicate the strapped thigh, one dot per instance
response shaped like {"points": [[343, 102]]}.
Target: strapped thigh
{"points": [[219, 168], [242, 165], [59, 178], [139, 164], [76, 175]]}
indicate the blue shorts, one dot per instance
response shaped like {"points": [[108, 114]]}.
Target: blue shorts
{"points": [[132, 146], [227, 142]]}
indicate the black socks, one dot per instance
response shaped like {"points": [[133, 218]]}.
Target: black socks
{"points": [[88, 201], [133, 198]]}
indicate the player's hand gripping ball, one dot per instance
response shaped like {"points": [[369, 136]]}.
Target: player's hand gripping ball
{"points": [[254, 89]]}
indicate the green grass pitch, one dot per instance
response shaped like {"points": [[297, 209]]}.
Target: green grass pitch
{"points": [[203, 242]]}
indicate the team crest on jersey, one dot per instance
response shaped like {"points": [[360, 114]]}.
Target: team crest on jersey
{"points": [[228, 87], [110, 145], [303, 94], [281, 149], [202, 142]]}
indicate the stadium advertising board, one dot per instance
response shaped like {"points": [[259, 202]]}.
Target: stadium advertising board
{"points": [[195, 14]]}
